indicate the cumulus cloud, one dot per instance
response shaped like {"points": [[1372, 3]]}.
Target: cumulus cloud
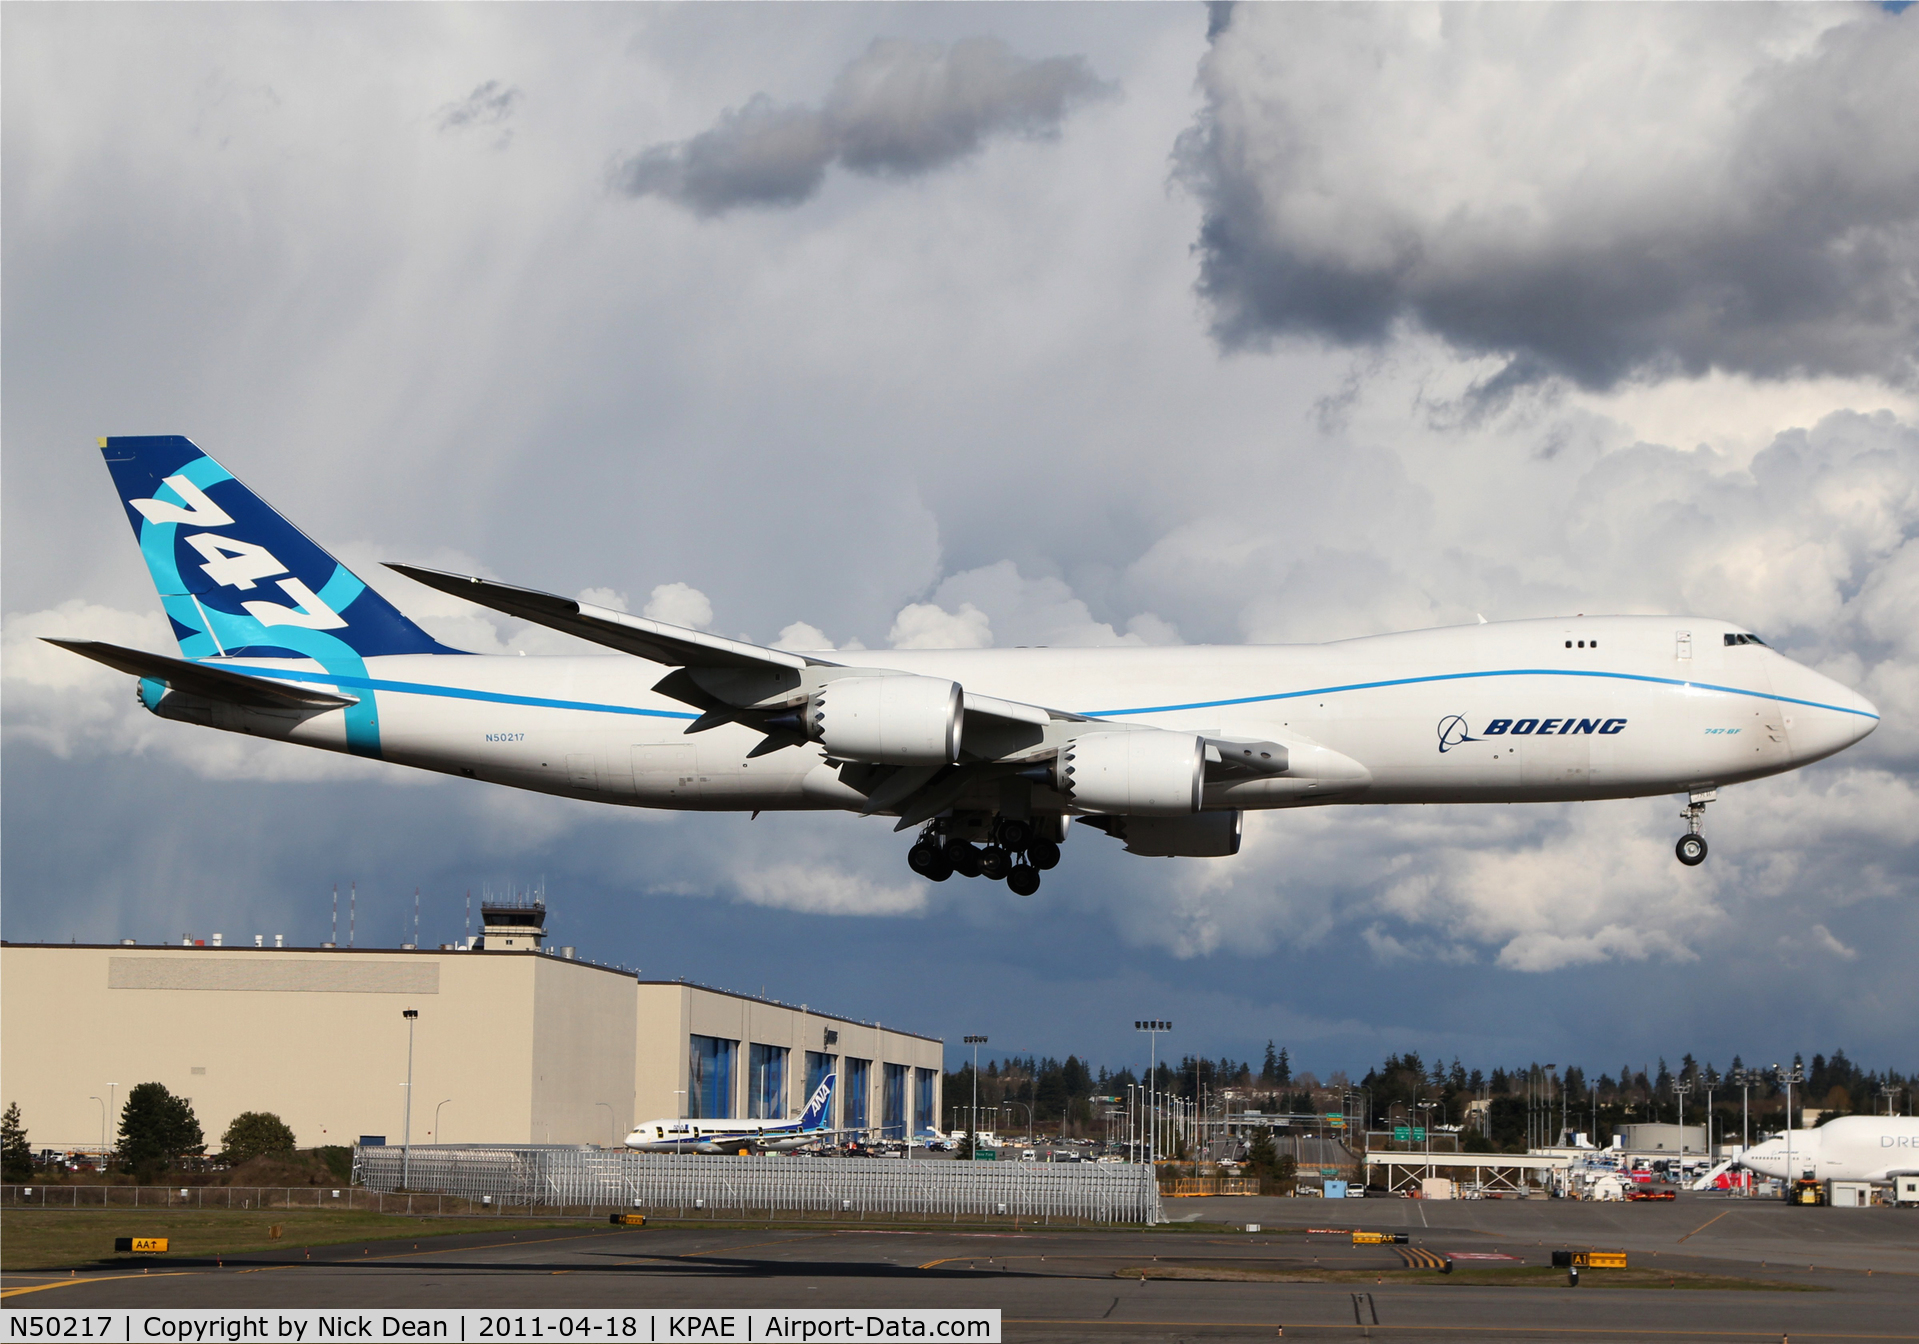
{"points": [[679, 604], [927, 625], [1594, 192], [1033, 612], [901, 109], [824, 889]]}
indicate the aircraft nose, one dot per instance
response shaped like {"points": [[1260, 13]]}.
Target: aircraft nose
{"points": [[1823, 716]]}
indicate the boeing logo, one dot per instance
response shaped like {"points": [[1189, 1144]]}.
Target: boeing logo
{"points": [[1541, 727], [1453, 730]]}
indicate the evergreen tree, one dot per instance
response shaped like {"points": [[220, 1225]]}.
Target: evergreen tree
{"points": [[256, 1134], [1269, 1067], [157, 1128], [16, 1154], [1284, 1073]]}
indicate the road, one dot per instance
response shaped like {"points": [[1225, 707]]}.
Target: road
{"points": [[1862, 1267]]}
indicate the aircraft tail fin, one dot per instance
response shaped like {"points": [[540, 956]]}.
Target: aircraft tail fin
{"points": [[236, 578], [814, 1116]]}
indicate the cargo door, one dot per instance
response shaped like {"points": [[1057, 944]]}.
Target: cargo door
{"points": [[666, 773], [583, 770]]}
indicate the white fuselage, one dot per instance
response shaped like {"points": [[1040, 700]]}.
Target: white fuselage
{"points": [[1592, 707], [720, 1136], [1851, 1148]]}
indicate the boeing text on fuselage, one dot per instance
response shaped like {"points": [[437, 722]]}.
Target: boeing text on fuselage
{"points": [[988, 753]]}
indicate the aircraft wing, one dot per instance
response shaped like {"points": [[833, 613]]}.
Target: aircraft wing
{"points": [[212, 683], [656, 641], [676, 646]]}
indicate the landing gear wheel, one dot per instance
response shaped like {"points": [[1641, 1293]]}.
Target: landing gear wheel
{"points": [[923, 857], [939, 871], [1043, 854], [994, 863], [1014, 833], [1692, 845], [964, 858], [1023, 880]]}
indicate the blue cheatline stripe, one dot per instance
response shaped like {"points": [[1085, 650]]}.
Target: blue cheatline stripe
{"points": [[1469, 676], [458, 693], [541, 702]]}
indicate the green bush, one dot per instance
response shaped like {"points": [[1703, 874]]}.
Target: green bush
{"points": [[256, 1134]]}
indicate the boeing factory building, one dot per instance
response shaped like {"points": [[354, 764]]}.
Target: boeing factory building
{"points": [[514, 1042]]}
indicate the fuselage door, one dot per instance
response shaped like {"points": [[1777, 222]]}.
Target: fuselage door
{"points": [[665, 772]]}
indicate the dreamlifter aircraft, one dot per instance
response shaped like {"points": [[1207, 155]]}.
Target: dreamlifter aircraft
{"points": [[990, 752]]}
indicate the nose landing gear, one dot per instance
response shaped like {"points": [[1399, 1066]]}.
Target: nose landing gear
{"points": [[1691, 848]]}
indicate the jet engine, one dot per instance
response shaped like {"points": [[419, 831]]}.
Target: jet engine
{"points": [[1210, 835], [903, 720], [1146, 773]]}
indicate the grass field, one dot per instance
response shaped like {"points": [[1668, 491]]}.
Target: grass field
{"points": [[61, 1238]]}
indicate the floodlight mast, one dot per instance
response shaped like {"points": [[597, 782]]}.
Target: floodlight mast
{"points": [[1152, 1027], [972, 1133], [412, 1015]]}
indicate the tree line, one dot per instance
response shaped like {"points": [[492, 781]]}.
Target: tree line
{"points": [[156, 1131], [1500, 1109]]}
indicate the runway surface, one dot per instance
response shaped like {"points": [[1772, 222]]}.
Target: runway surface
{"points": [[1862, 1265]]}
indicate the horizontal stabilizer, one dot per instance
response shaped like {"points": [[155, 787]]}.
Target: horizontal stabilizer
{"points": [[213, 683], [673, 645]]}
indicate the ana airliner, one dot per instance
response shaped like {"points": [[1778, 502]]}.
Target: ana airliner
{"points": [[988, 752], [738, 1136]]}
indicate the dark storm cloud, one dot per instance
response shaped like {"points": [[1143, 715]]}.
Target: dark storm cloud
{"points": [[488, 105], [1593, 193], [903, 108]]}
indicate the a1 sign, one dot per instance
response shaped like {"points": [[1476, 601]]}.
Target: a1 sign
{"points": [[1401, 1134], [1419, 1134]]}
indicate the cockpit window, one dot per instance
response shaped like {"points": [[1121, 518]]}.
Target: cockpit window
{"points": [[1744, 639]]}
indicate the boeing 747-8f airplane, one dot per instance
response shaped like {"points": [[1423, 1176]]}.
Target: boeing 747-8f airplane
{"points": [[989, 752]]}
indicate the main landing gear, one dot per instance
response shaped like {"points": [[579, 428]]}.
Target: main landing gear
{"points": [[1692, 845], [1013, 854]]}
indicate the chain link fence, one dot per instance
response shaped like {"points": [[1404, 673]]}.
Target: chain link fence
{"points": [[852, 1186]]}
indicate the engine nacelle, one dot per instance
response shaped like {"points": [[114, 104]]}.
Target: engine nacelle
{"points": [[1210, 835], [903, 720], [1152, 773]]}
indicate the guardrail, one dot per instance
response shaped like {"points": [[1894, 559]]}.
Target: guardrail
{"points": [[838, 1187], [236, 1197]]}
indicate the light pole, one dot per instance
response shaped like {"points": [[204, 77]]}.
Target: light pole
{"points": [[972, 1129], [1711, 1082], [438, 1137], [1152, 1027], [412, 1015], [103, 1130], [1681, 1089], [1797, 1075], [1551, 1080]]}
